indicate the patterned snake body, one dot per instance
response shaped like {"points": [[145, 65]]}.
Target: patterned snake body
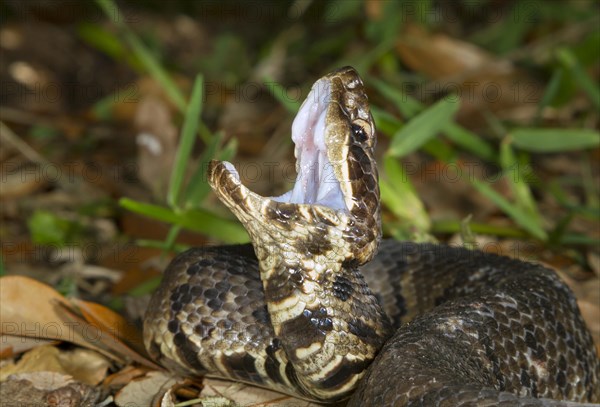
{"points": [[311, 307]]}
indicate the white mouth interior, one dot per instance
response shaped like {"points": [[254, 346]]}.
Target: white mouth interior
{"points": [[316, 183]]}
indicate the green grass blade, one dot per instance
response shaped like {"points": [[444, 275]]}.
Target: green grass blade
{"points": [[407, 105], [550, 93], [385, 122], [469, 141], [146, 58], [198, 220], [568, 59], [279, 92], [577, 239], [108, 43], [169, 242], [519, 216], [230, 231], [400, 197], [554, 140], [516, 176], [186, 142], [152, 211], [423, 127], [198, 189]]}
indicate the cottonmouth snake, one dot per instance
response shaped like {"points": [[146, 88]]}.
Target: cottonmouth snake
{"points": [[320, 308]]}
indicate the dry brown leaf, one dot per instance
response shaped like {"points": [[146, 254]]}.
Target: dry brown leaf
{"points": [[145, 390], [439, 56], [21, 182], [482, 81], [40, 359], [167, 399], [33, 309], [249, 396], [109, 321], [156, 141], [124, 376], [107, 339], [11, 345], [85, 366]]}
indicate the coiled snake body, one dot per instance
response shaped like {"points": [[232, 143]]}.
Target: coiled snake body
{"points": [[311, 308]]}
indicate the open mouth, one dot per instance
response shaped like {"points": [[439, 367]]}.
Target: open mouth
{"points": [[316, 183]]}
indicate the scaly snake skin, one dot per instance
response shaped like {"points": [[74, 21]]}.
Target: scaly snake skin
{"points": [[313, 309]]}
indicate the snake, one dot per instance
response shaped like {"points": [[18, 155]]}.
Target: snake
{"points": [[320, 306]]}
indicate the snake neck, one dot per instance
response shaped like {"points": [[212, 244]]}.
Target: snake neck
{"points": [[311, 240]]}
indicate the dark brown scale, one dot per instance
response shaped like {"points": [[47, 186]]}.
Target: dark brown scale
{"points": [[304, 330], [342, 288], [278, 289]]}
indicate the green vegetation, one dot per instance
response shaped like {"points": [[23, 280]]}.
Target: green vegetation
{"points": [[409, 124]]}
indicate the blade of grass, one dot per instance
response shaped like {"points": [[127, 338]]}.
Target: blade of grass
{"points": [[169, 242], [280, 93], [454, 226], [399, 195], [147, 287], [186, 142], [423, 127], [554, 140], [146, 58], [556, 234], [437, 148], [198, 189], [384, 122], [569, 60], [197, 220], [469, 141], [519, 216], [466, 233], [516, 177], [407, 105], [550, 93], [107, 42], [574, 239]]}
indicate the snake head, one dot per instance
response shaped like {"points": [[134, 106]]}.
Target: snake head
{"points": [[333, 207]]}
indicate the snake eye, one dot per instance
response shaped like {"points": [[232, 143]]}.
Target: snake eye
{"points": [[363, 132], [359, 132]]}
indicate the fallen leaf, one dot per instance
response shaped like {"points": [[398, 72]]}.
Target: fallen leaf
{"points": [[124, 376], [249, 396], [157, 143], [143, 391], [40, 359], [167, 399], [23, 181], [11, 345], [32, 309], [481, 80], [85, 366], [109, 321]]}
